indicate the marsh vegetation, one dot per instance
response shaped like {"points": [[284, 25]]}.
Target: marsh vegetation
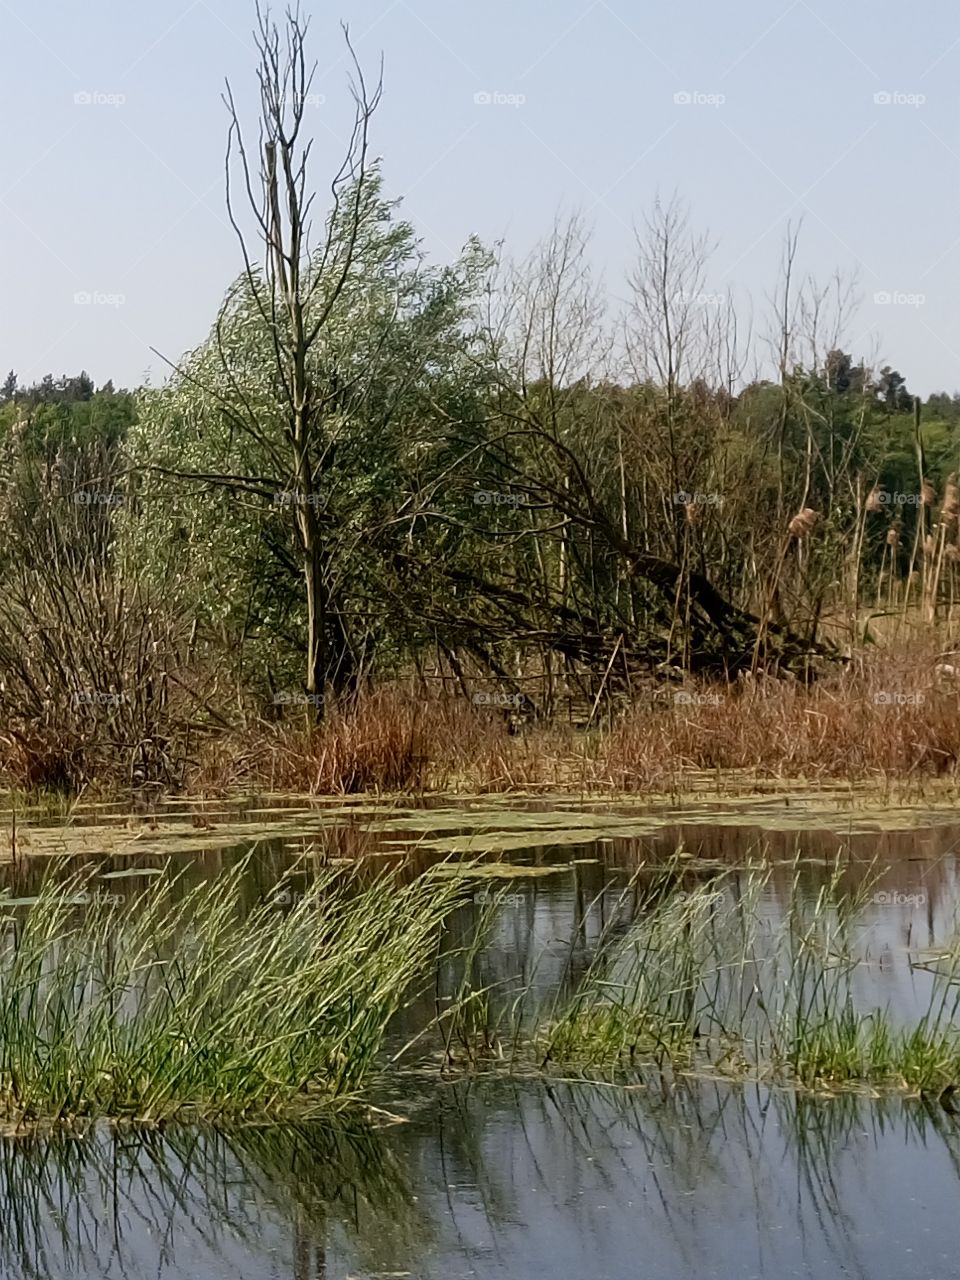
{"points": [[392, 515]]}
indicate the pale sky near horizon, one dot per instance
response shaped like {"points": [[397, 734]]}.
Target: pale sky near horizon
{"points": [[112, 176]]}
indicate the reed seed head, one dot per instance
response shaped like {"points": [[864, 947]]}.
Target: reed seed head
{"points": [[804, 522], [951, 500]]}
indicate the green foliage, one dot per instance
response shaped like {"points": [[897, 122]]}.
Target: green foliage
{"points": [[199, 1003], [392, 368]]}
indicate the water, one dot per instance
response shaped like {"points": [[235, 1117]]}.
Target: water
{"points": [[494, 1180], [527, 1179]]}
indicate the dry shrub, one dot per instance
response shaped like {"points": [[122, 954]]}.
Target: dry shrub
{"points": [[393, 739], [38, 760]]}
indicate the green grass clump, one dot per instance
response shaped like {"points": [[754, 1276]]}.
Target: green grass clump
{"points": [[198, 1002], [709, 980]]}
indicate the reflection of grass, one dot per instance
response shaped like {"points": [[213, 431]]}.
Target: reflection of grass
{"points": [[703, 980], [55, 1193], [202, 1004]]}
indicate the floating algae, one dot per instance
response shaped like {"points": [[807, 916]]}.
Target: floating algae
{"points": [[130, 873], [494, 871]]}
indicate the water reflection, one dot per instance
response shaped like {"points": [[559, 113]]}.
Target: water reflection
{"points": [[498, 1179], [186, 1202]]}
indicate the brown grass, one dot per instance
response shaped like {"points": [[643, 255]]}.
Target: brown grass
{"points": [[891, 716], [387, 740]]}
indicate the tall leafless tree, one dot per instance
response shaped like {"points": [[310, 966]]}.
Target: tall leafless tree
{"points": [[300, 282]]}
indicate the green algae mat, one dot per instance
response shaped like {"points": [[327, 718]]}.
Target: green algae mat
{"points": [[452, 825]]}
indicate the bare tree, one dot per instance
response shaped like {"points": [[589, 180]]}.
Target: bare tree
{"points": [[299, 283]]}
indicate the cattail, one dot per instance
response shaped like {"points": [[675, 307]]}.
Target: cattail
{"points": [[893, 536], [928, 494], [803, 522], [951, 500], [691, 511], [874, 502]]}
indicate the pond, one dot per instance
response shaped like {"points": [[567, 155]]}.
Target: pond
{"points": [[667, 1175]]}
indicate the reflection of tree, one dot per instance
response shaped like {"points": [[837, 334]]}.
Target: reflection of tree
{"points": [[681, 1153], [461, 1181], [69, 1204]]}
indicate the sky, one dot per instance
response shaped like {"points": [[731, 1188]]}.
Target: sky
{"points": [[496, 116]]}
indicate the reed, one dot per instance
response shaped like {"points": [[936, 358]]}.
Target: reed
{"points": [[705, 981], [199, 1002]]}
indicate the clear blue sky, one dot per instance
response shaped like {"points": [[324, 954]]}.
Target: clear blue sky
{"points": [[123, 195]]}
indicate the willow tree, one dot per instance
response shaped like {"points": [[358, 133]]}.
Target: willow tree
{"points": [[332, 372], [318, 387]]}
